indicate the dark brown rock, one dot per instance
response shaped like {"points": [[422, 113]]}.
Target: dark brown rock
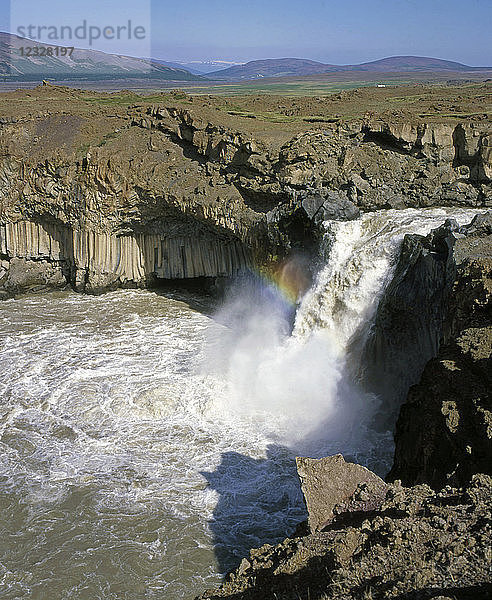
{"points": [[422, 308], [444, 431]]}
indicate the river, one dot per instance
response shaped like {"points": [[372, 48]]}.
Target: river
{"points": [[147, 438]]}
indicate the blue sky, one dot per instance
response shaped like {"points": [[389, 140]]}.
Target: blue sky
{"points": [[333, 31]]}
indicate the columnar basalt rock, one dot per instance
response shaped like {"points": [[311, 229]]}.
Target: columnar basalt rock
{"points": [[196, 164], [444, 431], [94, 262]]}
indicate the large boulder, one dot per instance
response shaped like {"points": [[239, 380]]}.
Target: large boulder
{"points": [[332, 486], [419, 545]]}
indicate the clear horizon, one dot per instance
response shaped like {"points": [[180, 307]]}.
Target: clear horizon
{"points": [[326, 31]]}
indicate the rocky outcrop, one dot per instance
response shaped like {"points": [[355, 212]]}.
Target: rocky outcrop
{"points": [[435, 317], [383, 164], [412, 320], [418, 544], [41, 255], [332, 486], [444, 431], [143, 168]]}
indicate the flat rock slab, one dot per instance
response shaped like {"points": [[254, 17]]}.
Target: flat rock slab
{"points": [[332, 487]]}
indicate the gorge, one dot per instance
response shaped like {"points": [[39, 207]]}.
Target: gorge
{"points": [[150, 434]]}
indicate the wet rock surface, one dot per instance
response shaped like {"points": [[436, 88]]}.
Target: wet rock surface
{"points": [[419, 544]]}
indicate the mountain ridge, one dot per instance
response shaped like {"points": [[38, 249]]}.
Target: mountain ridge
{"points": [[297, 66], [15, 64]]}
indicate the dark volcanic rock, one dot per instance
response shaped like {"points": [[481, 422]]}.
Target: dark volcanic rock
{"points": [[321, 205], [332, 486], [444, 431], [418, 545], [415, 314], [22, 275]]}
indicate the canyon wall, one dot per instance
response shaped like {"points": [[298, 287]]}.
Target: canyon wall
{"points": [[102, 178], [444, 431], [418, 315], [53, 255]]}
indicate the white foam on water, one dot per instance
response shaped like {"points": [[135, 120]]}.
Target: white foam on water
{"points": [[145, 446], [107, 438]]}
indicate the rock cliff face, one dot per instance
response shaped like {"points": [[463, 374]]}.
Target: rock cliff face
{"points": [[129, 191], [444, 431], [435, 317], [54, 255], [414, 316]]}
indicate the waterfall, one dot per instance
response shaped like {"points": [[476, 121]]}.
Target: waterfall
{"points": [[302, 384], [360, 257]]}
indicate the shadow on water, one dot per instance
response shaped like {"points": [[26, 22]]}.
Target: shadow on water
{"points": [[260, 500], [197, 293], [255, 495]]}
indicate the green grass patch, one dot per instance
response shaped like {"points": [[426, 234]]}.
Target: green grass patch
{"points": [[111, 99], [454, 115], [320, 119], [108, 137]]}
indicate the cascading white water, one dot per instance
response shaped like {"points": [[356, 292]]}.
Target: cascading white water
{"points": [[147, 446], [302, 378], [360, 257]]}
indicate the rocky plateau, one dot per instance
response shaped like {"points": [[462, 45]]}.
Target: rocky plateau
{"points": [[109, 190]]}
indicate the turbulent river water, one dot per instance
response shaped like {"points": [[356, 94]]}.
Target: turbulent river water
{"points": [[147, 439]]}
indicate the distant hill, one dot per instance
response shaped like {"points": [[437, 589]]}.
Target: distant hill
{"points": [[271, 67], [175, 65], [199, 67], [204, 67], [287, 67], [81, 64], [413, 64]]}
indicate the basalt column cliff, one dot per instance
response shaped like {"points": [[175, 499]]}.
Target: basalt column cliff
{"points": [[106, 190]]}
